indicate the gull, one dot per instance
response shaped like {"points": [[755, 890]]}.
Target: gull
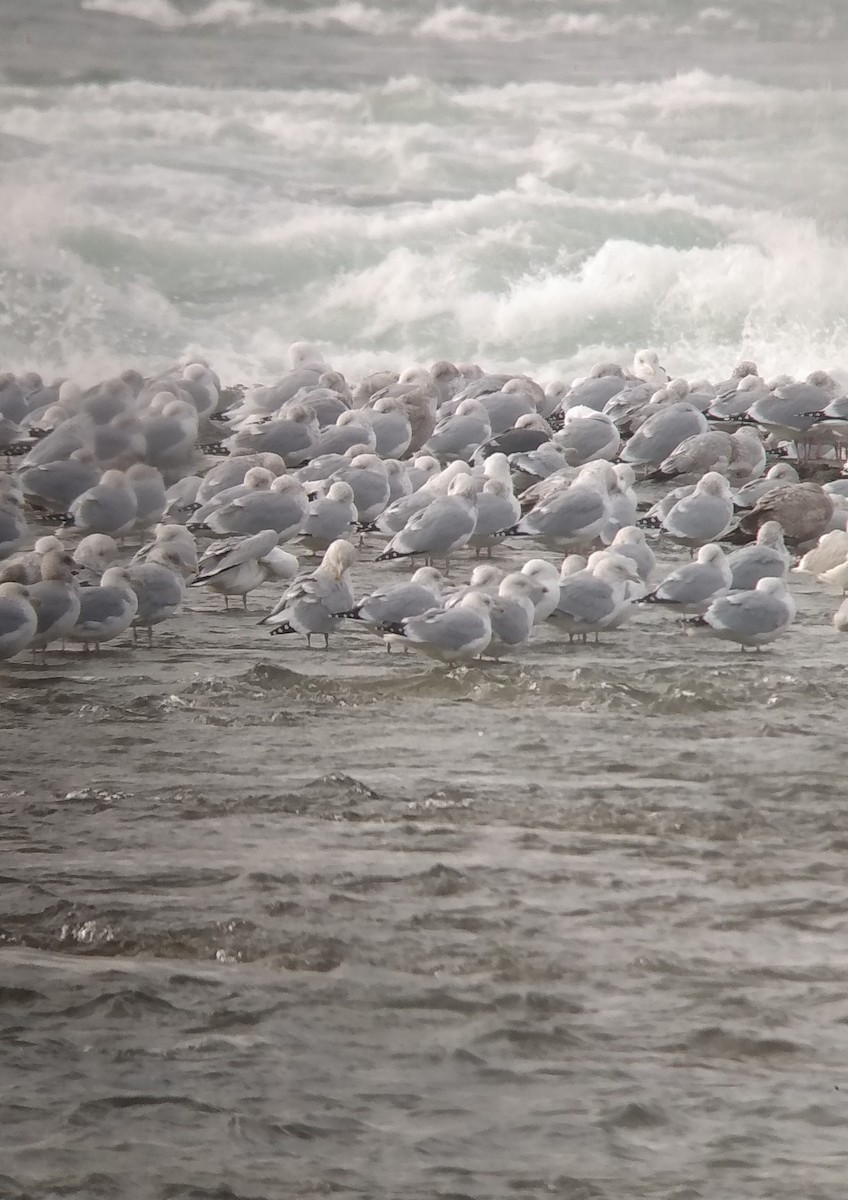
{"points": [[330, 517], [512, 614], [315, 603], [292, 436], [392, 602], [109, 507], [662, 433], [459, 435], [54, 486], [631, 542], [94, 553], [576, 516], [160, 590], [497, 512], [283, 507], [13, 525], [735, 402], [546, 578], [766, 557], [693, 587], [391, 426], [779, 475], [750, 618], [233, 472], [367, 476], [255, 479], [441, 528], [605, 380], [18, 619], [25, 566], [55, 598], [106, 611], [830, 550], [451, 635], [237, 566], [704, 516], [591, 600], [173, 540], [591, 435], [804, 510], [150, 496]]}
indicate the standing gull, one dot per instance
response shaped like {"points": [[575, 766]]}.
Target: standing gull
{"points": [[591, 600], [392, 602], [315, 603], [105, 611], [160, 590], [441, 528], [752, 618], [573, 517], [18, 619], [450, 635], [237, 566], [693, 587], [56, 600], [704, 516]]}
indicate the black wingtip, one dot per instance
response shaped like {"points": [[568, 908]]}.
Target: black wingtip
{"points": [[393, 627], [284, 628], [390, 556], [365, 527], [695, 623], [353, 613], [649, 523]]}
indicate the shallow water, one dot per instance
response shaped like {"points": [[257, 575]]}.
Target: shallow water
{"points": [[281, 922]]}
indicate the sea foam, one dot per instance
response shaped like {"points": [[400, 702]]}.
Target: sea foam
{"points": [[539, 224]]}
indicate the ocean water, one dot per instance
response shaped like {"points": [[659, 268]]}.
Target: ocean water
{"points": [[526, 184], [280, 924]]}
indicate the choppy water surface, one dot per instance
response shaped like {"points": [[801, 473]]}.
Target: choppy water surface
{"points": [[281, 922], [510, 182]]}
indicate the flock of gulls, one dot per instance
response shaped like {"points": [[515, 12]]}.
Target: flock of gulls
{"points": [[117, 498]]}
